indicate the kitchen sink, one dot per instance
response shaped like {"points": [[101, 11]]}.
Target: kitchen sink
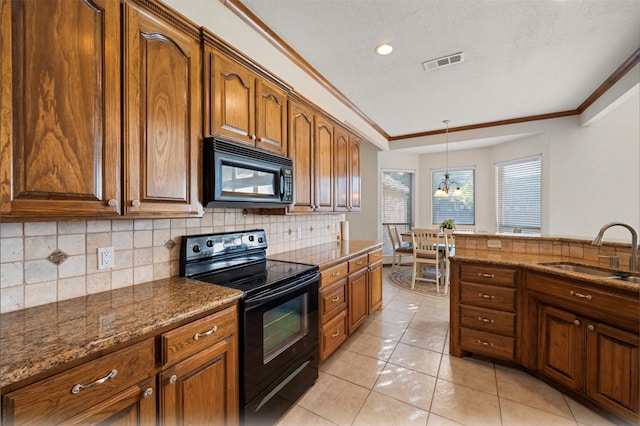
{"points": [[635, 280], [581, 269], [594, 271]]}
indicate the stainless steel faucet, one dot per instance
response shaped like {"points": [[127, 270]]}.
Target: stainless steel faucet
{"points": [[633, 262]]}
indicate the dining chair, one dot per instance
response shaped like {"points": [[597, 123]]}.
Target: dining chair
{"points": [[428, 256], [449, 244], [399, 248]]}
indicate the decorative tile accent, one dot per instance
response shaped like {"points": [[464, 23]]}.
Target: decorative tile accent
{"points": [[169, 244], [57, 257], [289, 231]]}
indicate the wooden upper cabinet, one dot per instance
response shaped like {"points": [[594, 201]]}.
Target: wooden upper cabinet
{"points": [[322, 166], [242, 107], [60, 108], [162, 116], [301, 133], [347, 171]]}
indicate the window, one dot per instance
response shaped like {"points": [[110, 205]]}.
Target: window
{"points": [[397, 204], [460, 209], [518, 195]]}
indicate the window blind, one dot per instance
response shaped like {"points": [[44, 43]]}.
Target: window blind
{"points": [[460, 209], [518, 185]]}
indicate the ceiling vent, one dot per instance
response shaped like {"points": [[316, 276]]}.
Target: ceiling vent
{"points": [[444, 61]]}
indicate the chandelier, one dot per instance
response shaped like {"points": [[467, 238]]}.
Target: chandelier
{"points": [[447, 183]]}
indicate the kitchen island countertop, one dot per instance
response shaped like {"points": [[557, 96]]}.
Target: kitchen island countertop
{"points": [[328, 254]]}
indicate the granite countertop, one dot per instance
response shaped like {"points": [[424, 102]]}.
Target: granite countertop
{"points": [[539, 263], [328, 254], [43, 337]]}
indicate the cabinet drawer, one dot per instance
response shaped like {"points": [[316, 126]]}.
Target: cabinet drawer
{"points": [[193, 337], [586, 300], [333, 274], [53, 400], [333, 334], [488, 275], [374, 256], [490, 320], [489, 344], [488, 296], [358, 263], [333, 299]]}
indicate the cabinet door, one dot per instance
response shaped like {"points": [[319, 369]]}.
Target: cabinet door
{"points": [[322, 166], [358, 299], [60, 108], [375, 286], [301, 151], [271, 118], [354, 173], [613, 369], [161, 116], [202, 389], [341, 170], [233, 100], [561, 347]]}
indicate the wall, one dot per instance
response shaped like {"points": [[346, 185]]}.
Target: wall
{"points": [[364, 225], [591, 174], [145, 250]]}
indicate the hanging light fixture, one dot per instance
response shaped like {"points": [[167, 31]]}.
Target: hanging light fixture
{"points": [[446, 184]]}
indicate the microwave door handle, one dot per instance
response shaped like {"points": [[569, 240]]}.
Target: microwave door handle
{"points": [[281, 185]]}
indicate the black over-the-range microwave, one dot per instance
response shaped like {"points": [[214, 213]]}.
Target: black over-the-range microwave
{"points": [[239, 176]]}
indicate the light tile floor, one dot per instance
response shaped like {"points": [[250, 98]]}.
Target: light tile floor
{"points": [[395, 370]]}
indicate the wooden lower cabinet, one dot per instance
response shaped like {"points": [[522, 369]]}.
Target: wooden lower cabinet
{"points": [[190, 381], [203, 388], [375, 286], [358, 299], [586, 356], [115, 386]]}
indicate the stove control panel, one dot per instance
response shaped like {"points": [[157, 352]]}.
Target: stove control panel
{"points": [[205, 246]]}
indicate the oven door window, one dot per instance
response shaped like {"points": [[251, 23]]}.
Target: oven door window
{"points": [[240, 180], [283, 326]]}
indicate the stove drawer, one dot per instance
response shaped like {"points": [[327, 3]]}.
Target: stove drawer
{"points": [[192, 338]]}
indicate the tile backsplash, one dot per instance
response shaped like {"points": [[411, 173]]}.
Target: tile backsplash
{"points": [[44, 262]]}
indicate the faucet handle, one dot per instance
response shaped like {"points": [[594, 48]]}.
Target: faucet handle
{"points": [[614, 261]]}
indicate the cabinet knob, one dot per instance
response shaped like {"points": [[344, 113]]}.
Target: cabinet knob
{"points": [[576, 322], [135, 203], [253, 137], [147, 393], [591, 327], [173, 379], [112, 203]]}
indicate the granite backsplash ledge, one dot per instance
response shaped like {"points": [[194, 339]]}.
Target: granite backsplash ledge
{"points": [[579, 250]]}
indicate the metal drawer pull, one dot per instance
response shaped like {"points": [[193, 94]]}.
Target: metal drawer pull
{"points": [[583, 296], [576, 322], [173, 379], [360, 263], [199, 335], [482, 274], [486, 296], [336, 299], [335, 274], [336, 333], [147, 393], [483, 343], [485, 320], [77, 388]]}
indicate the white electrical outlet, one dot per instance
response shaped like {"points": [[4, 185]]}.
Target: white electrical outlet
{"points": [[106, 258]]}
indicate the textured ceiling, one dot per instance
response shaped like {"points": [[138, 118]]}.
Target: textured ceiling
{"points": [[522, 57]]}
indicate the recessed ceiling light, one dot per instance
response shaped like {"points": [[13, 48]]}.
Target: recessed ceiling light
{"points": [[384, 49]]}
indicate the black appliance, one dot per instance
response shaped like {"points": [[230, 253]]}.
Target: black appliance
{"points": [[278, 317], [243, 177]]}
